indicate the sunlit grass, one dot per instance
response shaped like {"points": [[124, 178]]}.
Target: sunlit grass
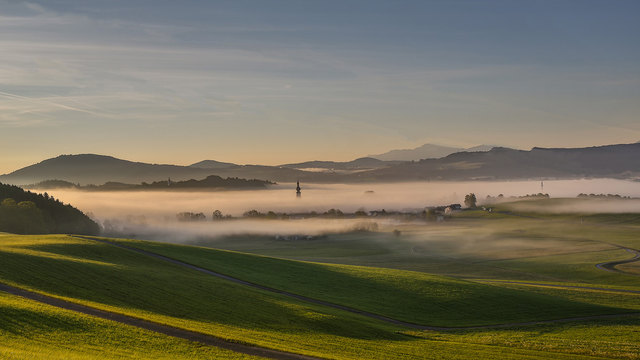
{"points": [[610, 338], [575, 268], [148, 288], [405, 295], [30, 330]]}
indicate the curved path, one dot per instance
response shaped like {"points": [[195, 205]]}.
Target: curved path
{"points": [[156, 327], [611, 265], [562, 286], [261, 287], [346, 308]]}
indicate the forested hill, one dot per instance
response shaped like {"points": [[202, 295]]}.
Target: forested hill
{"points": [[212, 182], [23, 212], [620, 161]]}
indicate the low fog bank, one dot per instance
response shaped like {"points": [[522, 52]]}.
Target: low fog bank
{"points": [[580, 206], [175, 231], [152, 214]]}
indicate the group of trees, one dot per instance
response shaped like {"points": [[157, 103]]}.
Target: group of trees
{"points": [[217, 215], [331, 213], [22, 217], [470, 200], [212, 181], [603, 196], [24, 212], [534, 196], [190, 216]]}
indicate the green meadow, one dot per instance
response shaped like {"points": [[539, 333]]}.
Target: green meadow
{"points": [[404, 295], [476, 269], [31, 330]]}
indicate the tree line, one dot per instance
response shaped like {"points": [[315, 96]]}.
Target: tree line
{"points": [[24, 212]]}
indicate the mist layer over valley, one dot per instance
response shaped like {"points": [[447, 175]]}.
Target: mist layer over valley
{"points": [[152, 215]]}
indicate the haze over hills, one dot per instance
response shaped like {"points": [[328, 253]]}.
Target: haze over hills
{"points": [[95, 169], [211, 182], [365, 163], [213, 164], [87, 169], [426, 151], [613, 161], [98, 169]]}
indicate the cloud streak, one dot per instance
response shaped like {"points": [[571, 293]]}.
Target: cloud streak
{"points": [[211, 76]]}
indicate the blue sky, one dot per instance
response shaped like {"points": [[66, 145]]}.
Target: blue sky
{"points": [[282, 81]]}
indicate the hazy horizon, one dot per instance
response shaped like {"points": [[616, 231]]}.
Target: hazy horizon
{"points": [[273, 163]]}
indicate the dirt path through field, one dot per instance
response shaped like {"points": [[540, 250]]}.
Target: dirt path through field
{"points": [[611, 265], [257, 286], [156, 327], [346, 308], [562, 286]]}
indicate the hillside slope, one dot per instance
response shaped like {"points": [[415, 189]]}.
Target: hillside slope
{"points": [[110, 278], [615, 161], [98, 169], [426, 151], [24, 212], [612, 161]]}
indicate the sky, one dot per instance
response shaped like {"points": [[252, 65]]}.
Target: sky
{"points": [[275, 81]]}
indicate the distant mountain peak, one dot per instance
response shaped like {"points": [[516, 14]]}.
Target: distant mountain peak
{"points": [[212, 164], [427, 151], [362, 163], [616, 161], [97, 169], [82, 157]]}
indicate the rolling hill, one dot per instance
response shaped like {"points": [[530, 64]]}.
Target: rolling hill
{"points": [[98, 169], [610, 161], [87, 169], [211, 182], [213, 164], [365, 163], [24, 212], [143, 285], [426, 151]]}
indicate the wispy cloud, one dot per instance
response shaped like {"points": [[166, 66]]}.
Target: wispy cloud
{"points": [[222, 75], [47, 103]]}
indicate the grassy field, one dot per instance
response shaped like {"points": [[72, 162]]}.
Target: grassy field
{"points": [[30, 330], [475, 244], [405, 295], [602, 338], [472, 247]]}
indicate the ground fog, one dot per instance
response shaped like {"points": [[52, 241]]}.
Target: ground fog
{"points": [[152, 214]]}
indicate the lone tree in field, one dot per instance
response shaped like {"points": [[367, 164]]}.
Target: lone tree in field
{"points": [[217, 215], [470, 200]]}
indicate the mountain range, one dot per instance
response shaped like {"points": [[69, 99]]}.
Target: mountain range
{"points": [[610, 161], [427, 151]]}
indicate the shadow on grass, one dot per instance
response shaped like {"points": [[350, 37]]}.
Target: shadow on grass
{"points": [[22, 321], [423, 299], [142, 284]]}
